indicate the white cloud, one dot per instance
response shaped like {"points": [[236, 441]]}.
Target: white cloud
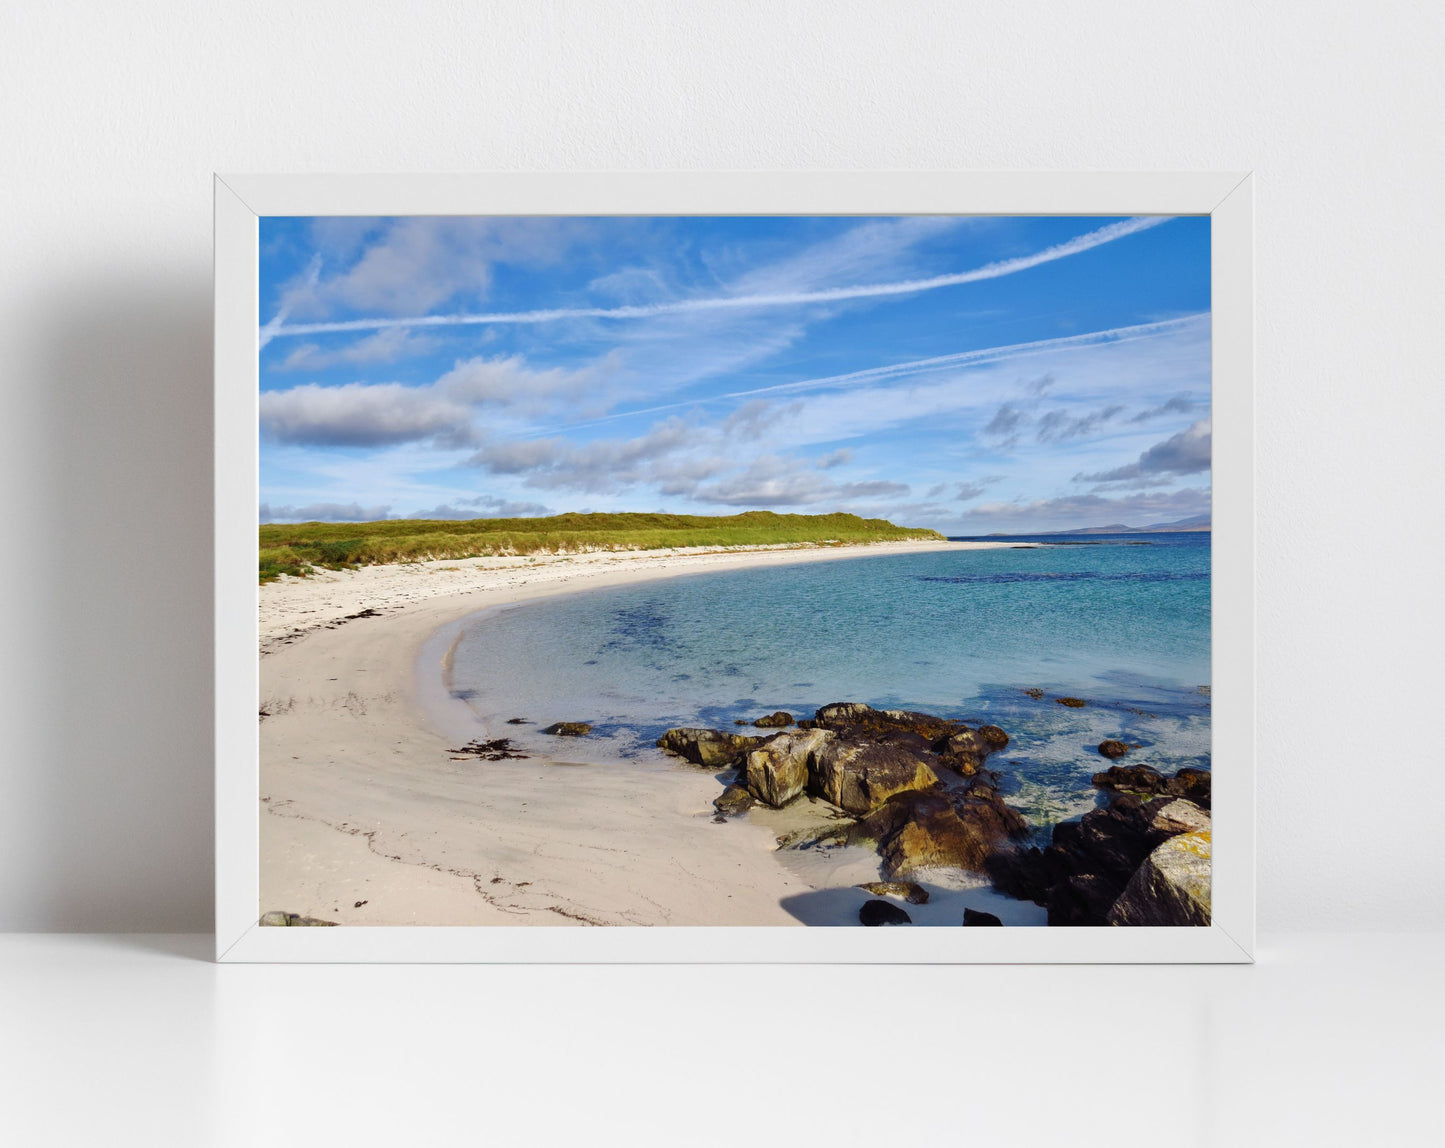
{"points": [[383, 347], [384, 414]]}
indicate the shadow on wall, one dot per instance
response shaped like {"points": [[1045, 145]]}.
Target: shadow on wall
{"points": [[123, 820]]}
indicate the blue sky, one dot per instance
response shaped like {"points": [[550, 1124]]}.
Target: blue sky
{"points": [[972, 374]]}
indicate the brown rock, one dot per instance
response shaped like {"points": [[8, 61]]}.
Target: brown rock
{"points": [[709, 747], [568, 729], [859, 777], [876, 913], [1113, 749], [857, 720], [1072, 703], [1171, 887], [779, 770], [930, 830], [903, 890], [776, 720], [1131, 778], [733, 801]]}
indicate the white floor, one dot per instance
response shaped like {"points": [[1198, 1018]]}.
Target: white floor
{"points": [[119, 1040]]}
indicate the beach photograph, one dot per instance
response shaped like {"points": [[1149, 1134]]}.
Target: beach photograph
{"points": [[754, 571]]}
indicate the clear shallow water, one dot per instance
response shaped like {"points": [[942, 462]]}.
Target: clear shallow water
{"points": [[1121, 621]]}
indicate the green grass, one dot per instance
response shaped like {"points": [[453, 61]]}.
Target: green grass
{"points": [[300, 548]]}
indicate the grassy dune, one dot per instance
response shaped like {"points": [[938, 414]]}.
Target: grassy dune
{"points": [[297, 549]]}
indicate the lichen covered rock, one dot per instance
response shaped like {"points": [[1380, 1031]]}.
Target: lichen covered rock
{"points": [[709, 747], [860, 777], [778, 770], [776, 720], [1171, 887]]}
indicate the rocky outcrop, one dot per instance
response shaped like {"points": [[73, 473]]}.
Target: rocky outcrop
{"points": [[1171, 887], [860, 777], [776, 720], [903, 890], [856, 721], [709, 747], [978, 917], [1090, 862], [1194, 784], [568, 729], [916, 831], [779, 770], [293, 920], [883, 913]]}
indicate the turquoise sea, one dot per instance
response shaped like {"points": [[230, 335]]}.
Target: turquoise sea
{"points": [[1121, 621]]}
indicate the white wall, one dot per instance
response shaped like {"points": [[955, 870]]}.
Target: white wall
{"points": [[113, 116]]}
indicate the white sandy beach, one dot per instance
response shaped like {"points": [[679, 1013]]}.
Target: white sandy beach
{"points": [[367, 819]]}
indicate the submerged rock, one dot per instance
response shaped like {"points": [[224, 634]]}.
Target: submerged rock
{"points": [[1172, 886], [708, 747], [1072, 703], [875, 913], [568, 729], [776, 720], [860, 777], [779, 770], [978, 917], [903, 890], [734, 801]]}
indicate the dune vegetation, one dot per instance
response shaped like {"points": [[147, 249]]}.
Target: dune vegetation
{"points": [[297, 549]]}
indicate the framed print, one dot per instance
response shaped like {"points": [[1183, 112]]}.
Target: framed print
{"points": [[734, 567]]}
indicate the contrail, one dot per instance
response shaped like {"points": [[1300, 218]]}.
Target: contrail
{"points": [[270, 330], [277, 327], [936, 363]]}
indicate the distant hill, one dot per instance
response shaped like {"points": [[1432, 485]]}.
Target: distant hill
{"points": [[1197, 522]]}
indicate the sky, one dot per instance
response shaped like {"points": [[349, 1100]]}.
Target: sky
{"points": [[971, 374]]}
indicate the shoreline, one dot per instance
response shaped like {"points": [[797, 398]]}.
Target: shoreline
{"points": [[366, 819]]}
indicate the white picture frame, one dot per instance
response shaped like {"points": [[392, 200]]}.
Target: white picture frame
{"points": [[240, 201]]}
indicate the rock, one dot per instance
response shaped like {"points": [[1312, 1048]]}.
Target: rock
{"points": [[1131, 778], [733, 801], [882, 913], [779, 770], [1195, 784], [1081, 900], [993, 737], [709, 747], [292, 920], [856, 720], [568, 729], [1178, 816], [1035, 693], [1113, 749], [775, 720], [978, 917], [903, 890], [964, 752], [859, 777], [1172, 886], [811, 836], [1072, 703], [932, 830]]}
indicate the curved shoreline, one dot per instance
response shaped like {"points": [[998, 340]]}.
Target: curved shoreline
{"points": [[367, 819]]}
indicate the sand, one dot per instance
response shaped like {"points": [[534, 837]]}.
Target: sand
{"points": [[368, 819]]}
